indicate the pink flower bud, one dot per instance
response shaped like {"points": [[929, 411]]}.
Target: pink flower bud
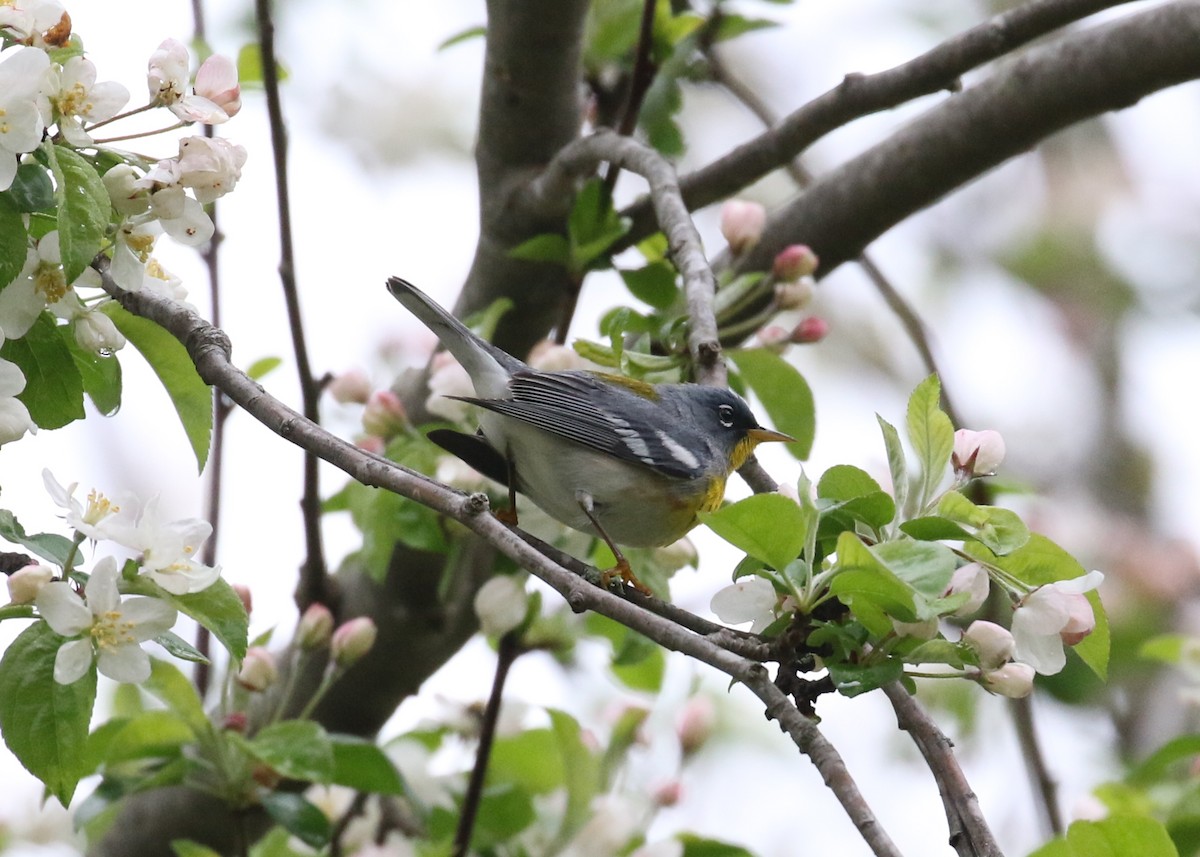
{"points": [[217, 80], [977, 453], [793, 262], [258, 670], [25, 583], [668, 794], [794, 295], [742, 224], [315, 628], [993, 643], [972, 579], [1013, 680], [235, 721], [549, 356], [371, 443], [384, 414], [352, 640], [811, 329], [696, 723], [243, 592], [774, 338], [352, 386]]}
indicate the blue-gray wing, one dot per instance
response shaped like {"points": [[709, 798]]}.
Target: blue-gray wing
{"points": [[587, 410]]}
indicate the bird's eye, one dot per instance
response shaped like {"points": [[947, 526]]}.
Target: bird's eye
{"points": [[725, 415]]}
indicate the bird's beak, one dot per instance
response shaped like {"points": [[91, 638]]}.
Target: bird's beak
{"points": [[762, 435]]}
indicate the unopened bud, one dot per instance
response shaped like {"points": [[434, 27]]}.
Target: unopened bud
{"points": [[315, 628], [668, 794], [95, 332], [924, 630], [994, 644], [25, 583], [352, 640], [235, 721], [1013, 680], [680, 553], [243, 593], [774, 338], [793, 262], [977, 453], [696, 723], [258, 670], [794, 295], [384, 414], [350, 386], [548, 356], [501, 605], [811, 329], [371, 443], [972, 579], [742, 224]]}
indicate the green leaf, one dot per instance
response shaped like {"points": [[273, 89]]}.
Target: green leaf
{"points": [[299, 749], [478, 31], [14, 240], [548, 247], [188, 848], [637, 662], [250, 67], [1167, 648], [170, 686], [855, 679], [362, 766], [83, 208], [925, 566], [932, 528], [53, 386], [783, 392], [654, 284], [49, 546], [869, 588], [262, 366], [769, 527], [31, 189], [298, 817], [1179, 752], [149, 735], [1115, 836], [1001, 530], [699, 846], [101, 376], [931, 434], [1040, 561], [529, 759], [732, 26], [857, 494], [897, 463], [44, 723], [219, 609], [177, 647], [581, 768], [168, 358], [592, 226]]}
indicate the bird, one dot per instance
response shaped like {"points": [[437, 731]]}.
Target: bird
{"points": [[630, 462]]}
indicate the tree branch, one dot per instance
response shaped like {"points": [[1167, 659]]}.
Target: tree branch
{"points": [[1049, 88], [860, 95], [969, 832], [210, 348]]}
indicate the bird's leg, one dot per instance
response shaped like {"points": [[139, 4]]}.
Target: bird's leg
{"points": [[509, 515], [622, 568]]}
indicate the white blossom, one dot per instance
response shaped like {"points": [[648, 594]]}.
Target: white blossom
{"points": [[448, 378], [501, 605], [210, 166], [94, 519], [1048, 613], [77, 98], [104, 628], [22, 71], [977, 453], [14, 416], [25, 20], [168, 548], [168, 82], [751, 599]]}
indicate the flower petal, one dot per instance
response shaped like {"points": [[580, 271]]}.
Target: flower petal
{"points": [[72, 661], [101, 589], [125, 663], [63, 610], [150, 616]]}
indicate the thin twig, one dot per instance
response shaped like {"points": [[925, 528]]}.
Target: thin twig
{"points": [[1043, 783], [508, 650], [687, 251], [313, 584], [353, 811], [209, 349]]}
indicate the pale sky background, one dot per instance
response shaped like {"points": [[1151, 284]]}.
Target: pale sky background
{"points": [[371, 71]]}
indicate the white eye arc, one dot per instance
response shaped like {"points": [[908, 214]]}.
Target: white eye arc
{"points": [[725, 415]]}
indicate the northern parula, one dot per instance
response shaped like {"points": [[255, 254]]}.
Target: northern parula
{"points": [[628, 461]]}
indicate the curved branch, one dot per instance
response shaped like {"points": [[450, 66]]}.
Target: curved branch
{"points": [[1079, 77], [672, 217], [210, 348], [860, 95]]}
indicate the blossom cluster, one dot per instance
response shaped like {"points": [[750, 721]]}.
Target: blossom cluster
{"points": [[50, 103], [1045, 618], [101, 625]]}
